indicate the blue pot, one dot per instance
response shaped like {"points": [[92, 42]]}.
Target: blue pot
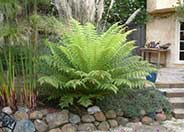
{"points": [[152, 77]]}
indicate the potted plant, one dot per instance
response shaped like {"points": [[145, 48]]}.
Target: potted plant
{"points": [[152, 77]]}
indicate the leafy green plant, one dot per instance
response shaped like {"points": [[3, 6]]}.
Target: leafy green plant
{"points": [[122, 10], [133, 101], [180, 9], [86, 65]]}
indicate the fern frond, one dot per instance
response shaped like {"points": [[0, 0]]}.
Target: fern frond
{"points": [[88, 64]]}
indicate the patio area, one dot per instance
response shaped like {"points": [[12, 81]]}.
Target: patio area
{"points": [[170, 78]]}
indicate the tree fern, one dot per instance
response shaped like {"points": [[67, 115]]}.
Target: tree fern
{"points": [[91, 64]]}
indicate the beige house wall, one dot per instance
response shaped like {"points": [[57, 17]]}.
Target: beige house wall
{"points": [[160, 4], [164, 30], [151, 5]]}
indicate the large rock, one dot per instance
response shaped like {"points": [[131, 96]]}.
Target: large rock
{"points": [[56, 130], [104, 126], [24, 126], [147, 120], [40, 125], [113, 123], [74, 119], [7, 110], [69, 128], [87, 127], [44, 111], [23, 109], [57, 119], [99, 116], [122, 121], [20, 115], [88, 118], [36, 115], [111, 114], [142, 112], [93, 110], [161, 117]]}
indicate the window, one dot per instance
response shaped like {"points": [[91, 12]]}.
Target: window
{"points": [[181, 42]]}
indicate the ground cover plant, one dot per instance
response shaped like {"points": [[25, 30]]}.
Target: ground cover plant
{"points": [[86, 65], [132, 102]]}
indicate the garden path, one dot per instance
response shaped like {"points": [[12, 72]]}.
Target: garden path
{"points": [[170, 76], [173, 125]]}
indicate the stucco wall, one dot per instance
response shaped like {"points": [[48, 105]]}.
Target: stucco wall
{"points": [[166, 3], [160, 4], [151, 5], [164, 30]]}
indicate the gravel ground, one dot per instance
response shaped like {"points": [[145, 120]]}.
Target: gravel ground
{"points": [[174, 125]]}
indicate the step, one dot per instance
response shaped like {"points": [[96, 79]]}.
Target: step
{"points": [[173, 92], [169, 85], [178, 113], [177, 102]]}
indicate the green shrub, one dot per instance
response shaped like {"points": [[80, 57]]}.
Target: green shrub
{"points": [[86, 65], [180, 9], [133, 101]]}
